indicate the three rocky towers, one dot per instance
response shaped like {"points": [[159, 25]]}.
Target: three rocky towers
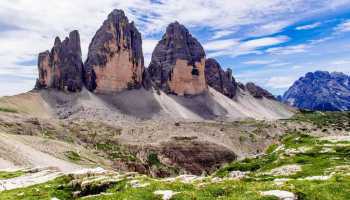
{"points": [[115, 63]]}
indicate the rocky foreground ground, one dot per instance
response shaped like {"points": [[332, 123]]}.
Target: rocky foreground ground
{"points": [[305, 157], [300, 167]]}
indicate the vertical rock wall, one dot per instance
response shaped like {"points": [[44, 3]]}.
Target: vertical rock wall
{"points": [[61, 68], [115, 60], [178, 63]]}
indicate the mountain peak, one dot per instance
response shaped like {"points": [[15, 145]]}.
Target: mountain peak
{"points": [[117, 12], [62, 68], [178, 62], [115, 60], [320, 90]]}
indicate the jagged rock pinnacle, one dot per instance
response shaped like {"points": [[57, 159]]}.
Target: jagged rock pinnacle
{"points": [[115, 60], [177, 64]]}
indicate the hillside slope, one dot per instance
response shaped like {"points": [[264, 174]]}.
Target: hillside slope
{"points": [[142, 104]]}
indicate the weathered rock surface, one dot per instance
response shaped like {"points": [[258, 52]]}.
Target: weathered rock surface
{"points": [[258, 92], [196, 157], [219, 79], [62, 67], [178, 63], [320, 91], [115, 60]]}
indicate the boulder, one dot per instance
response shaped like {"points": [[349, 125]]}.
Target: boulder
{"points": [[219, 79], [61, 68], [115, 60], [178, 63]]}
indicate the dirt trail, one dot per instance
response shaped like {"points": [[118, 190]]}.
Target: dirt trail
{"points": [[16, 153]]}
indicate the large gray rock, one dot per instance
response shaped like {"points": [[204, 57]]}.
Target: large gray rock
{"points": [[178, 63], [115, 60], [320, 90], [219, 79], [62, 67]]}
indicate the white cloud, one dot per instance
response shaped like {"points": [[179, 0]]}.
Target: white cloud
{"points": [[279, 82], [279, 64], [148, 46], [269, 28], [297, 67], [308, 26], [263, 42], [258, 62], [220, 44], [287, 50], [340, 62], [221, 33], [233, 48], [343, 27]]}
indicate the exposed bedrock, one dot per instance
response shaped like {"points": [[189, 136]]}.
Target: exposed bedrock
{"points": [[115, 60], [178, 63], [219, 79], [258, 92], [61, 68]]}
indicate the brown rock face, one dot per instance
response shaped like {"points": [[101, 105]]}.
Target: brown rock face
{"points": [[219, 79], [258, 92], [178, 63], [115, 60], [62, 67], [196, 157]]}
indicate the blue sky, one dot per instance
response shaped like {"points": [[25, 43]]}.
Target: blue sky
{"points": [[269, 42]]}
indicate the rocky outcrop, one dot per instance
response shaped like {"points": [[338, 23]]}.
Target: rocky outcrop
{"points": [[219, 79], [115, 60], [258, 92], [178, 63], [320, 90], [61, 68], [196, 157]]}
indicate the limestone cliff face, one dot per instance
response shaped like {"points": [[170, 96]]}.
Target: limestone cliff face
{"points": [[115, 60], [178, 63], [219, 79], [61, 68]]}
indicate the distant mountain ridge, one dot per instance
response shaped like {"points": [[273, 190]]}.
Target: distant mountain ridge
{"points": [[320, 90]]}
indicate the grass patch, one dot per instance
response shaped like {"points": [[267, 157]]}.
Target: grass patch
{"points": [[57, 188], [72, 155], [9, 110], [300, 149], [323, 120], [153, 159], [115, 151], [8, 175], [271, 148]]}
